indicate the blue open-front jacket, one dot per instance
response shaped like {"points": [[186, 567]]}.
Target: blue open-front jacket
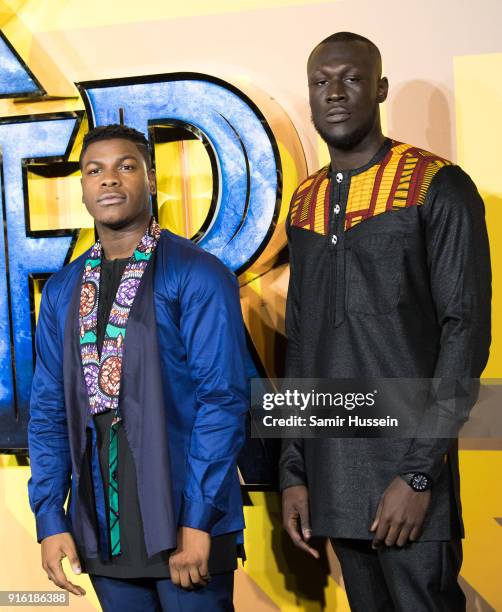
{"points": [[202, 364]]}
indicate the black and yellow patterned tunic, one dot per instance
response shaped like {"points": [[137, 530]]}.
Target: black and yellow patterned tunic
{"points": [[390, 277]]}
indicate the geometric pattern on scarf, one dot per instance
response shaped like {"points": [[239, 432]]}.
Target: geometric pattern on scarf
{"points": [[102, 374]]}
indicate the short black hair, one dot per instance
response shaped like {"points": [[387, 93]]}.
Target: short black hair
{"points": [[114, 130], [352, 37]]}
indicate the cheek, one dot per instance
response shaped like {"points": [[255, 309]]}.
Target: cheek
{"points": [[86, 193], [314, 100], [316, 109], [89, 196], [138, 190], [367, 100]]}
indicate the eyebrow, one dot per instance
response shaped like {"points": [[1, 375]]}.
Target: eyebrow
{"points": [[117, 161]]}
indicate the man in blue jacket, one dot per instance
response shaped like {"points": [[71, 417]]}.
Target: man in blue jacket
{"points": [[138, 402]]}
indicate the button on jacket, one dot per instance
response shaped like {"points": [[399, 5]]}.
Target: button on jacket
{"points": [[390, 277]]}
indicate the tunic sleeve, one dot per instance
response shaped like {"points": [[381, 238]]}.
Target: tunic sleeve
{"points": [[458, 259]]}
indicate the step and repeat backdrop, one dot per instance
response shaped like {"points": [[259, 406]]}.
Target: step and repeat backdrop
{"points": [[220, 90]]}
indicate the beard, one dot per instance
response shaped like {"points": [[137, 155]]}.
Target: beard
{"points": [[348, 140]]}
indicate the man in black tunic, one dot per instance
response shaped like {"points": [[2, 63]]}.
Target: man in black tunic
{"points": [[390, 277]]}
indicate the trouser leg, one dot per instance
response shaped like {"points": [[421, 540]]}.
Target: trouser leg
{"points": [[126, 595], [423, 576], [362, 575], [217, 596]]}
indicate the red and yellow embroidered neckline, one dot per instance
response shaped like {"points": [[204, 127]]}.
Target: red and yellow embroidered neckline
{"points": [[399, 180]]}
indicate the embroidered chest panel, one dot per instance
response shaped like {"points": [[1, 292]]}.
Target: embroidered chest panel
{"points": [[401, 179]]}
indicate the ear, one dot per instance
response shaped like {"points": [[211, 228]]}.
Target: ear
{"points": [[152, 181], [382, 90]]}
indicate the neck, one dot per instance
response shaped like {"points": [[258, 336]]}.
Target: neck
{"points": [[120, 243], [359, 155]]}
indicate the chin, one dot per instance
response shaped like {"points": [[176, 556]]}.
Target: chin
{"points": [[344, 140], [113, 221], [120, 219], [116, 224], [342, 136]]}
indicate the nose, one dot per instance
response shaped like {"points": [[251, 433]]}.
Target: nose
{"points": [[110, 179], [335, 92]]}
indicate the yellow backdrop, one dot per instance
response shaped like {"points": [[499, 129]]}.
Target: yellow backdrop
{"points": [[445, 96]]}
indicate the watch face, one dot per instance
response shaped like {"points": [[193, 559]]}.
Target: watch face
{"points": [[419, 482]]}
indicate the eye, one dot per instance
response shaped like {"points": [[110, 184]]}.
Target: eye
{"points": [[321, 82], [93, 171], [352, 79], [127, 167]]}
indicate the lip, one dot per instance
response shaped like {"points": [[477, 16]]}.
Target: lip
{"points": [[337, 115], [111, 198]]}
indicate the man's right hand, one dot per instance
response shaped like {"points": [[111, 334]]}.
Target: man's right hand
{"points": [[295, 517], [55, 548]]}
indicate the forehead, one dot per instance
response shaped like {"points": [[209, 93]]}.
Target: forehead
{"points": [[111, 149], [339, 54]]}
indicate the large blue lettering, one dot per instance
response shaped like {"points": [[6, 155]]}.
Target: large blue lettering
{"points": [[248, 165], [15, 77], [21, 138]]}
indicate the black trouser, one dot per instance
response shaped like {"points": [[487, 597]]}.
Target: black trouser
{"points": [[421, 577]]}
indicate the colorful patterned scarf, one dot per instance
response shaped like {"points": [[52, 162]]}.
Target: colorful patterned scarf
{"points": [[103, 374]]}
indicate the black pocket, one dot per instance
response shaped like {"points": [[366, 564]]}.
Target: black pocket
{"points": [[375, 274]]}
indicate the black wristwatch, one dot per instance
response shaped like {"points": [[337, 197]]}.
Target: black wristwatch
{"points": [[418, 481]]}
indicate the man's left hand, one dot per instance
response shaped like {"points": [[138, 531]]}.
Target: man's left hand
{"points": [[188, 564], [400, 514]]}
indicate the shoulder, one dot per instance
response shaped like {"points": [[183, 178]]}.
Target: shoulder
{"points": [[313, 178], [193, 267], [308, 192], [416, 166], [452, 198], [63, 280], [455, 178], [453, 186], [313, 181], [420, 156], [425, 175]]}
